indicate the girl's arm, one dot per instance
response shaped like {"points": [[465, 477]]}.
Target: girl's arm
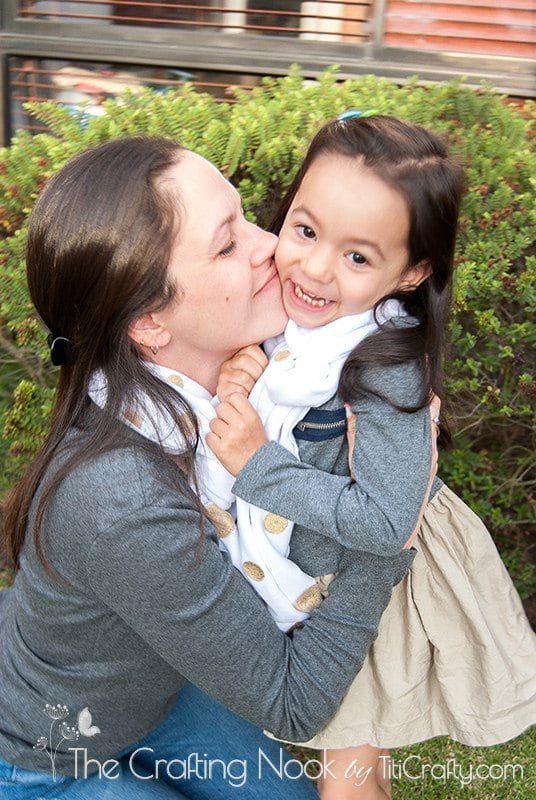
{"points": [[378, 508]]}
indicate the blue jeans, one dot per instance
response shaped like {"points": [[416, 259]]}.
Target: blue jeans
{"points": [[201, 751]]}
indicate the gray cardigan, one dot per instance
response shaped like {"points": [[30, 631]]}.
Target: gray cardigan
{"points": [[138, 610], [337, 517]]}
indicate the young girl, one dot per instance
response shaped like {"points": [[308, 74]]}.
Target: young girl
{"points": [[365, 257]]}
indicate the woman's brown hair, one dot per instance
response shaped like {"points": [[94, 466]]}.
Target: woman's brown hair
{"points": [[99, 244]]}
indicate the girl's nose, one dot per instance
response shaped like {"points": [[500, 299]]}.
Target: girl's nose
{"points": [[316, 266]]}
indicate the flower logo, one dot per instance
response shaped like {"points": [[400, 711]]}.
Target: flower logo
{"points": [[56, 712], [84, 726]]}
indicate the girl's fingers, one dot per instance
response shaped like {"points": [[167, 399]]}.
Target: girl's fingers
{"points": [[255, 354], [237, 380], [250, 360], [212, 440], [240, 373], [224, 413], [217, 427], [236, 404]]}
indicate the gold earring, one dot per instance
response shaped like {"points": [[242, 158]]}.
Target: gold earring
{"points": [[154, 349], [142, 343]]}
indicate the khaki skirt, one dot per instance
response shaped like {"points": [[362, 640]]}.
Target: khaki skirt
{"points": [[455, 655]]}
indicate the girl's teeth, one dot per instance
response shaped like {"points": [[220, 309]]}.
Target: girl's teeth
{"points": [[313, 301]]}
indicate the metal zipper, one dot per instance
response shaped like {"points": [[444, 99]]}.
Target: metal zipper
{"points": [[321, 426]]}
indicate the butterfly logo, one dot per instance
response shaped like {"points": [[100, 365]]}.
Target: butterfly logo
{"points": [[85, 723]]}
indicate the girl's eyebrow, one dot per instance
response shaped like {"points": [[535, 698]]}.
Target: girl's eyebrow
{"points": [[356, 241], [372, 245], [304, 210]]}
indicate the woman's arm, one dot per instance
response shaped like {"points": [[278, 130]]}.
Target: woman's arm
{"points": [[197, 612]]}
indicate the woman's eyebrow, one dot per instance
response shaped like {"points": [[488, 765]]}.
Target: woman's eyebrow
{"points": [[228, 220], [219, 228]]}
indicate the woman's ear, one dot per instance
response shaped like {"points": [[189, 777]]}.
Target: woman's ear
{"points": [[145, 331], [415, 275]]}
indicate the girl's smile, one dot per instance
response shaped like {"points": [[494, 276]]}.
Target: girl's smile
{"points": [[308, 297], [344, 243]]}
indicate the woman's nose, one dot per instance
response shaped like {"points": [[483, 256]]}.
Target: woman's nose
{"points": [[264, 244]]}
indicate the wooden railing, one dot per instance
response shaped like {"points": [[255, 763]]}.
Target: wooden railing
{"points": [[70, 49]]}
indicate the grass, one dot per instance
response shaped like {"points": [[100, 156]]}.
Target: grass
{"points": [[445, 770]]}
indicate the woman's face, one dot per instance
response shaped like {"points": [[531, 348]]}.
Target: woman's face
{"points": [[228, 290]]}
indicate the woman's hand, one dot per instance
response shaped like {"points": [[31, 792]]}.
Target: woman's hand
{"points": [[435, 409], [236, 432], [240, 372]]}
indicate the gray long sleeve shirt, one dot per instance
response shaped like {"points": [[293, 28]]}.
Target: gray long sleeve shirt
{"points": [[138, 610], [335, 514]]}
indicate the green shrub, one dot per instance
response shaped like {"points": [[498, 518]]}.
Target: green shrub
{"points": [[258, 141]]}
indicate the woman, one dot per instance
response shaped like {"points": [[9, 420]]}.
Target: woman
{"points": [[141, 263]]}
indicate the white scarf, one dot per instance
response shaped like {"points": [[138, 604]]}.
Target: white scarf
{"points": [[303, 373]]}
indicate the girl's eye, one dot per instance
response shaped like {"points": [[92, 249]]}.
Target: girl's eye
{"points": [[357, 259], [228, 250], [305, 231]]}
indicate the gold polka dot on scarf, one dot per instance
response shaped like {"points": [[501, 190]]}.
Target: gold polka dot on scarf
{"points": [[273, 523], [253, 571], [133, 417], [281, 355], [309, 599], [222, 520]]}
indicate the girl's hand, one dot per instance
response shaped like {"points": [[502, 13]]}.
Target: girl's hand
{"points": [[240, 372], [236, 432]]}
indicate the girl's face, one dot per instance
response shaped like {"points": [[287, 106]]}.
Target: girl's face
{"points": [[228, 291], [344, 243]]}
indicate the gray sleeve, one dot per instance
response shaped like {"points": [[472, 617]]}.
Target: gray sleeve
{"points": [[377, 509], [198, 613]]}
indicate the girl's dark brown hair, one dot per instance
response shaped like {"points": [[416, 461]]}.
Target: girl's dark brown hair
{"points": [[99, 244], [416, 163]]}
